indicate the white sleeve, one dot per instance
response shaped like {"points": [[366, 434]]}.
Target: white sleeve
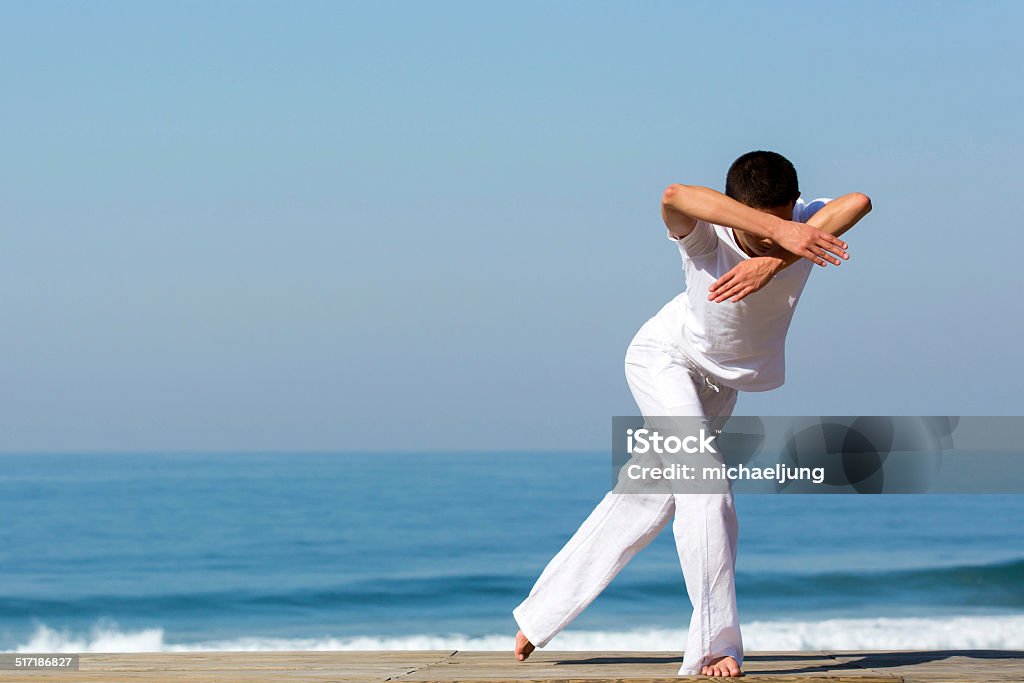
{"points": [[811, 208], [701, 240]]}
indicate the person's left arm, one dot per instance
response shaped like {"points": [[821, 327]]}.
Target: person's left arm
{"points": [[836, 217]]}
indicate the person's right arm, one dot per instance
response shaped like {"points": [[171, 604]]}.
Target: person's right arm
{"points": [[747, 277], [683, 205]]}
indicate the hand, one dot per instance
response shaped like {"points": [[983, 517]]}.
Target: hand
{"points": [[745, 278], [811, 243]]}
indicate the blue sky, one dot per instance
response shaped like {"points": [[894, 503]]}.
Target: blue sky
{"points": [[338, 226]]}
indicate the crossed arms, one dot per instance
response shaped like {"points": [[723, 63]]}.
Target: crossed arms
{"points": [[816, 240], [835, 218], [683, 205]]}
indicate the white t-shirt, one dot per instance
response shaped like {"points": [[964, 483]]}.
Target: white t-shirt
{"points": [[741, 344]]}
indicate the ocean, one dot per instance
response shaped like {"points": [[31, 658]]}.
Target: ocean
{"points": [[146, 552]]}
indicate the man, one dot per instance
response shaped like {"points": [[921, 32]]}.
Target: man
{"points": [[746, 257]]}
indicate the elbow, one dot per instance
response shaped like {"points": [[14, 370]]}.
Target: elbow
{"points": [[672, 194], [863, 202]]}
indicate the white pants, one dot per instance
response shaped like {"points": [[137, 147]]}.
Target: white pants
{"points": [[664, 383]]}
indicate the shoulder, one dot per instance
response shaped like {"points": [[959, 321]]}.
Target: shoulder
{"points": [[699, 241], [803, 210]]}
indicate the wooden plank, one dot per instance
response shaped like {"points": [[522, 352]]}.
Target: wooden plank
{"points": [[446, 666], [628, 667], [239, 667], [942, 665]]}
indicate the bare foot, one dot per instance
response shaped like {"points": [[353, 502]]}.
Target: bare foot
{"points": [[722, 666], [524, 647]]}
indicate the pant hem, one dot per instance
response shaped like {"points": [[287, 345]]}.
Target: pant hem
{"points": [[528, 630]]}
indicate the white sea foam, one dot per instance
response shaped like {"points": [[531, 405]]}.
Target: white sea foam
{"points": [[955, 632]]}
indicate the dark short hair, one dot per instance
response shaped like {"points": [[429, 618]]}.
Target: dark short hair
{"points": [[762, 180]]}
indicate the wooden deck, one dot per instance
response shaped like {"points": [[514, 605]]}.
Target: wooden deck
{"points": [[495, 667]]}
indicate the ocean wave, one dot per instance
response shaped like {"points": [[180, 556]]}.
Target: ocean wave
{"points": [[996, 585], [951, 632], [399, 592], [1008, 573]]}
